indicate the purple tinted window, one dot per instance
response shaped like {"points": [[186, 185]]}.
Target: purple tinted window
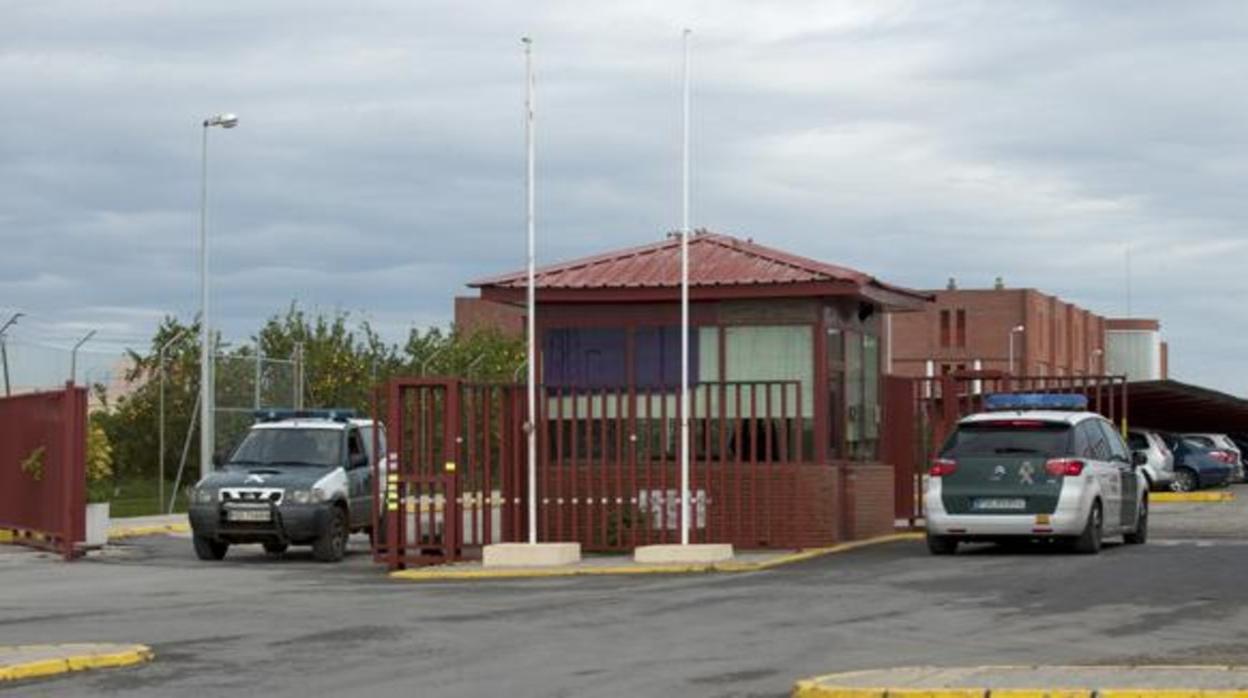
{"points": [[657, 352], [584, 357]]}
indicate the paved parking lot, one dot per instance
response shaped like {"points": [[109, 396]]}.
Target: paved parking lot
{"points": [[258, 626]]}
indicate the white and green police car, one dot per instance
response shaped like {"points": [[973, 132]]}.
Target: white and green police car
{"points": [[297, 478], [1035, 467]]}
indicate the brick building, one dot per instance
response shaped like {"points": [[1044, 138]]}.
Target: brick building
{"points": [[974, 328]]}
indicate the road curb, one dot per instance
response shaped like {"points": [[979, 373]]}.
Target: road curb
{"points": [[122, 531], [42, 668], [115, 532], [842, 685], [434, 574], [1167, 497]]}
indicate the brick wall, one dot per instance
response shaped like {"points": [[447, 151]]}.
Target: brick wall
{"points": [[1060, 338], [871, 494], [477, 314]]}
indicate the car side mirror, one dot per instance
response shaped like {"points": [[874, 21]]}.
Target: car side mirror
{"points": [[218, 460], [1139, 458], [359, 460]]}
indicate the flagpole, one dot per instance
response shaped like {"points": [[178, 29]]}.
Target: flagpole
{"points": [[684, 310], [531, 299]]}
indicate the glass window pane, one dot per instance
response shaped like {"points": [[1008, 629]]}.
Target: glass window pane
{"points": [[773, 353], [584, 357]]}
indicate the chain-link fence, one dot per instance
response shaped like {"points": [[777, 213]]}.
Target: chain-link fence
{"points": [[247, 383], [29, 366]]}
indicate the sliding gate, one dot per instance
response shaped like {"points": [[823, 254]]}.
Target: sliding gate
{"points": [[449, 483], [608, 471]]}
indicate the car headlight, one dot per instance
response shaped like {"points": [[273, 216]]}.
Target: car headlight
{"points": [[203, 495], [311, 496]]}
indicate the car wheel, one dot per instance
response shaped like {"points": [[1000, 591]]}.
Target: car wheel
{"points": [[1140, 535], [942, 545], [1089, 542], [275, 548], [332, 544], [1184, 480], [209, 549]]}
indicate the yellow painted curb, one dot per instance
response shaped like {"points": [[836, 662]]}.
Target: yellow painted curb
{"points": [[119, 532], [431, 574], [817, 687], [79, 662], [1162, 497]]}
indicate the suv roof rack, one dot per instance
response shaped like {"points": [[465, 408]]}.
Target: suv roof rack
{"points": [[336, 414], [1001, 402]]}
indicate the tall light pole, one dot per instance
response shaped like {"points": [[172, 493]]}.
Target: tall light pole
{"points": [[4, 353], [1016, 330], [684, 306], [530, 116], [206, 351], [73, 356]]}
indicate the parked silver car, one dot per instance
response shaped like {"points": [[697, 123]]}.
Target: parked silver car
{"points": [[1159, 468], [1222, 442]]}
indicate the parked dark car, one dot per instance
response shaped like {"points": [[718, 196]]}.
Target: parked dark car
{"points": [[1195, 466]]}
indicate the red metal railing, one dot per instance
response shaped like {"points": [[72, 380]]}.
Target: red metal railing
{"points": [[608, 466], [43, 468]]}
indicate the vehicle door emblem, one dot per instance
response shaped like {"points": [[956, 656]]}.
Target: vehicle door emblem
{"points": [[998, 473], [1025, 474], [258, 479]]}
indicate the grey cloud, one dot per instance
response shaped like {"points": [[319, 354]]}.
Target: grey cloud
{"points": [[379, 161]]}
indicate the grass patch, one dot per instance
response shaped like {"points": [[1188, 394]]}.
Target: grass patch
{"points": [[137, 497]]}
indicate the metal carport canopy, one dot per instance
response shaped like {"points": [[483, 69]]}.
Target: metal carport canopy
{"points": [[1169, 405]]}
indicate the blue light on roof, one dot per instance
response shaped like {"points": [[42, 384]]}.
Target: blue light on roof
{"points": [[1035, 401], [274, 415]]}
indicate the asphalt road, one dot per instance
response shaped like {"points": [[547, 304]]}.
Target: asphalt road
{"points": [[292, 627]]}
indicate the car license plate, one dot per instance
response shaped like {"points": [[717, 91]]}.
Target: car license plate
{"points": [[999, 504], [248, 515]]}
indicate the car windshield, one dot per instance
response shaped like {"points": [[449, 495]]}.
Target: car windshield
{"points": [[1009, 437], [318, 447], [1200, 441]]}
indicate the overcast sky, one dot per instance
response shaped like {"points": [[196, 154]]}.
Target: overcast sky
{"points": [[380, 157]]}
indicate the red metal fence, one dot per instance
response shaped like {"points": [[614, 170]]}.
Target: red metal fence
{"points": [[608, 467], [43, 468], [921, 412]]}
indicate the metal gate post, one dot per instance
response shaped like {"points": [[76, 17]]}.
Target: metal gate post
{"points": [[452, 437], [395, 499]]}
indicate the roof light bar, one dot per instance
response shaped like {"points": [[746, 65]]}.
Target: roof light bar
{"points": [[335, 415], [1035, 401]]}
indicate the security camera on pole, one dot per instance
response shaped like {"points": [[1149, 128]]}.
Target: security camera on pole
{"points": [[685, 552], [532, 553]]}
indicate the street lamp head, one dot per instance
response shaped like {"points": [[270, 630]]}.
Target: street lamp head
{"points": [[1019, 328], [222, 120], [10, 322]]}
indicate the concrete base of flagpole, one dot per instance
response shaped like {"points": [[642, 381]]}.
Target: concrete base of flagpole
{"points": [[704, 553], [530, 554]]}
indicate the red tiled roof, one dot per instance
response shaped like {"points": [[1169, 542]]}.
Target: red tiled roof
{"points": [[714, 260]]}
